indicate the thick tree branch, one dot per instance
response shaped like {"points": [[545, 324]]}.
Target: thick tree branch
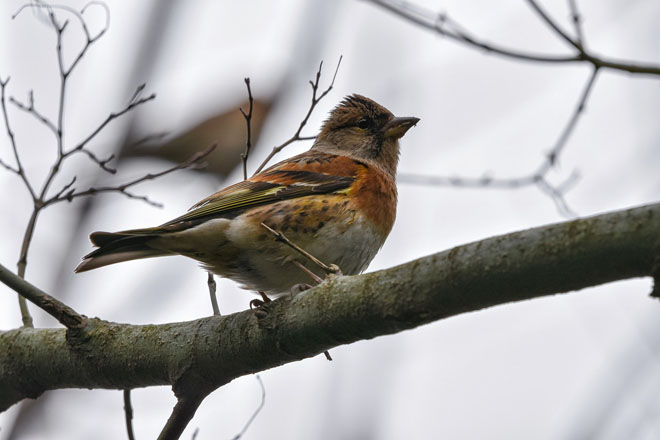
{"points": [[198, 356]]}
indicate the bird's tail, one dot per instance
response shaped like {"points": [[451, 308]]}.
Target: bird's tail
{"points": [[115, 247]]}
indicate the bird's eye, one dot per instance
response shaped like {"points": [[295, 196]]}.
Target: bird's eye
{"points": [[363, 124]]}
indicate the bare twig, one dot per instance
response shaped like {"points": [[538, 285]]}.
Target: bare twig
{"points": [[102, 163], [64, 314], [248, 123], [135, 101], [443, 25], [315, 100], [29, 108], [256, 412], [554, 26], [332, 268], [19, 165], [329, 269], [538, 177], [212, 288], [195, 160], [59, 29], [439, 22], [572, 122], [317, 279], [576, 18], [128, 412], [67, 192]]}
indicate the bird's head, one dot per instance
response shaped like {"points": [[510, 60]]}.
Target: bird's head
{"points": [[363, 129]]}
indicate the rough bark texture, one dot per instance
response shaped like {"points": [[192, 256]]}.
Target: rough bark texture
{"points": [[198, 356]]}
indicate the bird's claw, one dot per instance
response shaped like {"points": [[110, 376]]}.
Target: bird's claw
{"points": [[300, 287]]}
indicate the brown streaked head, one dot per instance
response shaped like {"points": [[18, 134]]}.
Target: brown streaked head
{"points": [[363, 129]]}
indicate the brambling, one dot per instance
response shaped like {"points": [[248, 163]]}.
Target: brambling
{"points": [[336, 201]]}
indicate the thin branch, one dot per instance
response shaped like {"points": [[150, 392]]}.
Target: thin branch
{"points": [[195, 160], [102, 163], [66, 187], [317, 279], [134, 102], [8, 167], [576, 18], [329, 269], [315, 100], [256, 412], [537, 178], [557, 197], [29, 108], [65, 72], [439, 23], [147, 139], [212, 292], [128, 414], [64, 314], [554, 26], [572, 122], [248, 123], [183, 412], [60, 29], [19, 170]]}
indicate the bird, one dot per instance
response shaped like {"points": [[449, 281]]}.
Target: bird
{"points": [[337, 201]]}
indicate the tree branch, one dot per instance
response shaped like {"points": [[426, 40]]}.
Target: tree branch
{"points": [[577, 22], [248, 122], [445, 26], [537, 177], [182, 414], [256, 411], [553, 25], [57, 309], [128, 414], [30, 108], [19, 170], [201, 355], [315, 100], [69, 194]]}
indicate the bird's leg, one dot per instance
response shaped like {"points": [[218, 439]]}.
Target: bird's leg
{"points": [[214, 300], [256, 303], [300, 287]]}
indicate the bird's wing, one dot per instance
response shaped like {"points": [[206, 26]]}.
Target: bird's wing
{"points": [[307, 174], [273, 186]]}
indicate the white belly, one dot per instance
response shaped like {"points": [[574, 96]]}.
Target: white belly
{"points": [[261, 263]]}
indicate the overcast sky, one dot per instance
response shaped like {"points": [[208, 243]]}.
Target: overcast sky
{"points": [[582, 365]]}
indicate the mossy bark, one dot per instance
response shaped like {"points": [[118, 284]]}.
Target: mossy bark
{"points": [[198, 356]]}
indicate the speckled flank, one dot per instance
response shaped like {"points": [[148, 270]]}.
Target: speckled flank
{"points": [[244, 251]]}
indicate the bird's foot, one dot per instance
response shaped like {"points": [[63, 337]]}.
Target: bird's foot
{"points": [[297, 288], [256, 303]]}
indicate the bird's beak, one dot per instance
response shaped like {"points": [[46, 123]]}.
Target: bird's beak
{"points": [[397, 127]]}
